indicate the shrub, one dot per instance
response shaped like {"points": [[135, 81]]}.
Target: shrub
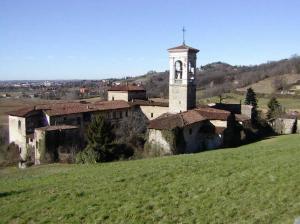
{"points": [[87, 156]]}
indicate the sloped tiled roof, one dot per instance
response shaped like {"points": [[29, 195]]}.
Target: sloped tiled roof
{"points": [[71, 108], [57, 127], [183, 47], [149, 103], [171, 121], [127, 88], [24, 111], [213, 114]]}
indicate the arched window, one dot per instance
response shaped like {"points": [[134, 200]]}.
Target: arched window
{"points": [[19, 124], [178, 70], [191, 70]]}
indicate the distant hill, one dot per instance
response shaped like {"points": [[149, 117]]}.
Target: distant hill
{"points": [[219, 77]]}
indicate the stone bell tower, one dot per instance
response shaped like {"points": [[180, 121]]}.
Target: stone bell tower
{"points": [[182, 86]]}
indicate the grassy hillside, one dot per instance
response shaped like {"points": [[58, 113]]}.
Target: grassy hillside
{"points": [[266, 86], [291, 104], [257, 183]]}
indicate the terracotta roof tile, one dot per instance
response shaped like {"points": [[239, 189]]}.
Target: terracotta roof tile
{"points": [[57, 127], [149, 103], [171, 121], [183, 47], [71, 108], [127, 88], [213, 114]]}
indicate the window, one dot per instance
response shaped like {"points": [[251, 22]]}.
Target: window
{"points": [[78, 120], [190, 131], [87, 117], [121, 115], [178, 70], [151, 114], [114, 114], [113, 98], [126, 113], [36, 145], [19, 124]]}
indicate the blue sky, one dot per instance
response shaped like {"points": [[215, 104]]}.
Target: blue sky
{"points": [[95, 39]]}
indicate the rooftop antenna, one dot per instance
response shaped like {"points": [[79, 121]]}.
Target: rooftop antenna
{"points": [[183, 35]]}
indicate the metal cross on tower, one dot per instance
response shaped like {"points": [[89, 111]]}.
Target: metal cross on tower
{"points": [[183, 35]]}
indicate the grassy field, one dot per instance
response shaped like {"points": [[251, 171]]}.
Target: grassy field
{"points": [[257, 183], [287, 103]]}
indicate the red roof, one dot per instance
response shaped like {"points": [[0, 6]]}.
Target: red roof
{"points": [[57, 127], [71, 108], [128, 88], [149, 103], [183, 47], [171, 121], [213, 114]]}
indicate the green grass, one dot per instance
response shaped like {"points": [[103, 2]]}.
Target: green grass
{"points": [[287, 103], [257, 183]]}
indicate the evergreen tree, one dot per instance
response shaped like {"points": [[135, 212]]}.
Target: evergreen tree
{"points": [[232, 134], [252, 100], [100, 136], [274, 108]]}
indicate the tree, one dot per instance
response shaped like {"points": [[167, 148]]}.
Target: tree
{"points": [[279, 83], [132, 129], [275, 108], [232, 134], [252, 100], [99, 136], [251, 97]]}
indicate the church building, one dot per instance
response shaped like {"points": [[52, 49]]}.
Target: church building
{"points": [[178, 126]]}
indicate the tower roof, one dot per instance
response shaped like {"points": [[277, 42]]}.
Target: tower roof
{"points": [[183, 47]]}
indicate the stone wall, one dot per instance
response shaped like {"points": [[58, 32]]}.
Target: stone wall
{"points": [[49, 144], [158, 142], [152, 112], [284, 125], [17, 133], [117, 95], [219, 123], [194, 138]]}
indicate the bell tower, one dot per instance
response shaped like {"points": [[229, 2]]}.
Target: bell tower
{"points": [[182, 86]]}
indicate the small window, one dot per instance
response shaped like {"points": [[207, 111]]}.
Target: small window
{"points": [[78, 120], [121, 115], [114, 114], [36, 145], [151, 114], [126, 113], [191, 131], [113, 98], [19, 124]]}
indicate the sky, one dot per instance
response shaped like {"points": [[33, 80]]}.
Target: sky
{"points": [[96, 39]]}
